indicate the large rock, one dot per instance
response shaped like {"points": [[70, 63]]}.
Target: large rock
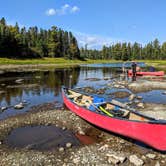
{"points": [[142, 86]]}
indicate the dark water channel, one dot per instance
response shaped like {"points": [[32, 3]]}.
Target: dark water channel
{"points": [[35, 88]]}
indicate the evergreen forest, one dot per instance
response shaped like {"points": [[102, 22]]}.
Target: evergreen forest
{"points": [[22, 43]]}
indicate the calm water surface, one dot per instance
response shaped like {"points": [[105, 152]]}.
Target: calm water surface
{"points": [[45, 86]]}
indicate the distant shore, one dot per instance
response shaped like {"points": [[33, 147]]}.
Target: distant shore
{"points": [[48, 63]]}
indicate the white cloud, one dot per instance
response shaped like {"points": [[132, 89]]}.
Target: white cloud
{"points": [[50, 12], [74, 9], [92, 41], [63, 10], [95, 41]]}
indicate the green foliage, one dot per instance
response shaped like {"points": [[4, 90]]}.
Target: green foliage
{"points": [[127, 51], [16, 42]]}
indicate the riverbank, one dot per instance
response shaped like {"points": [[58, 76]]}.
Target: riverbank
{"points": [[50, 63], [42, 64], [109, 150]]}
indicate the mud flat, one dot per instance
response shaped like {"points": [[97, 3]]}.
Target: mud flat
{"points": [[110, 149]]}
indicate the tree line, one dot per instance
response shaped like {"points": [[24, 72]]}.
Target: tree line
{"points": [[16, 42], [127, 51]]}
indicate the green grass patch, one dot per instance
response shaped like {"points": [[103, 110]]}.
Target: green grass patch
{"points": [[6, 61]]}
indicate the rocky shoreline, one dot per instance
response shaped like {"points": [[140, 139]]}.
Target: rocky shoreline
{"points": [[111, 149]]}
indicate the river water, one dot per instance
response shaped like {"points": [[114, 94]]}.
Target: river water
{"points": [[35, 88]]}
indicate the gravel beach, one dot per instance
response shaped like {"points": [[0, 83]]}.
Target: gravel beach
{"points": [[109, 149]]}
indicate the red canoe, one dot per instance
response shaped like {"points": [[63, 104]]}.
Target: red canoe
{"points": [[146, 73], [117, 119]]}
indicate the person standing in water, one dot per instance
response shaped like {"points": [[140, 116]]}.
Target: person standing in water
{"points": [[134, 71]]}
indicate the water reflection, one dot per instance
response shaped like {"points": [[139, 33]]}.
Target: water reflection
{"points": [[45, 86]]}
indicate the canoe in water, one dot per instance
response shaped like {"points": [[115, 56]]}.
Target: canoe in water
{"points": [[117, 119], [146, 73]]}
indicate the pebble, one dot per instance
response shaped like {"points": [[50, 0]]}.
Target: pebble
{"points": [[68, 145], [103, 148], [1, 92], [61, 149], [151, 156], [131, 97], [81, 132], [135, 160], [140, 105], [63, 128], [139, 97], [136, 101], [76, 160], [157, 163], [115, 159], [19, 81]]}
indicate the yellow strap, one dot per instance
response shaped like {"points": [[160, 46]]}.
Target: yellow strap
{"points": [[106, 112]]}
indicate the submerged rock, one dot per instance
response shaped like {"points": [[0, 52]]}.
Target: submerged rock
{"points": [[121, 94]]}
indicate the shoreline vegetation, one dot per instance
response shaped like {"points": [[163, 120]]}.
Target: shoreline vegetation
{"points": [[44, 64], [62, 61]]}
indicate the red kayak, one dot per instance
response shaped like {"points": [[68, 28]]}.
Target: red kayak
{"points": [[146, 73], [114, 118]]}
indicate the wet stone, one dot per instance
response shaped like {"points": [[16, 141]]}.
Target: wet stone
{"points": [[3, 108], [19, 106]]}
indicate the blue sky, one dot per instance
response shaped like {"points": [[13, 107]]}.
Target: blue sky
{"points": [[95, 22]]}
